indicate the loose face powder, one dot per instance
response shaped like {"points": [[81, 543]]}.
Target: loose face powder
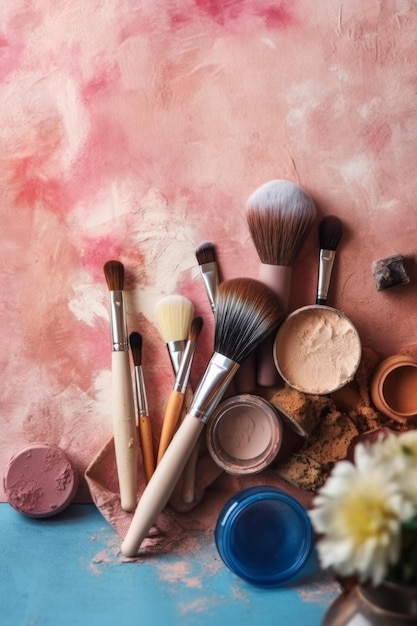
{"points": [[244, 434], [40, 481], [317, 350]]}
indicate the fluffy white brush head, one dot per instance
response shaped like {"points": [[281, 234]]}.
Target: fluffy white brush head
{"points": [[280, 215]]}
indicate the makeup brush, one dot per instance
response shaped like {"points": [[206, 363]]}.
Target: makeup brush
{"points": [[206, 257], [123, 409], [174, 314], [207, 260], [143, 421], [330, 233], [246, 312], [279, 215], [177, 395]]}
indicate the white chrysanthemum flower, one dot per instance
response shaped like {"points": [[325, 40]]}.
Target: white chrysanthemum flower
{"points": [[400, 452], [400, 448], [359, 512]]}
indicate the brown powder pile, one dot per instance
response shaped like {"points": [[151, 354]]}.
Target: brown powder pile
{"points": [[304, 411], [329, 442], [330, 425]]}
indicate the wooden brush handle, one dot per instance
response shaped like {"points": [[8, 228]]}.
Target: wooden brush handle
{"points": [[124, 429], [146, 445], [277, 278], [169, 424], [162, 484]]}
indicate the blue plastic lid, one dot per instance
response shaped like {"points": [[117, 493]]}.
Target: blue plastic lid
{"points": [[264, 536]]}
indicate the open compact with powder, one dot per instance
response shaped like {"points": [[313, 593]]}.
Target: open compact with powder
{"points": [[317, 350], [244, 434]]}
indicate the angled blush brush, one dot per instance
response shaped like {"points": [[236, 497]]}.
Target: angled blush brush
{"points": [[176, 399], [330, 233], [123, 409], [246, 312], [206, 257], [173, 315], [279, 215], [143, 421]]}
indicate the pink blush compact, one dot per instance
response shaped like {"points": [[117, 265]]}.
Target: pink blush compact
{"points": [[40, 481]]}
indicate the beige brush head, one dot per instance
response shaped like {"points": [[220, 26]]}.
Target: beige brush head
{"points": [[280, 215], [174, 314]]}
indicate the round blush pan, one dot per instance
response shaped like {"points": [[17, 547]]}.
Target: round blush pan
{"points": [[40, 481]]}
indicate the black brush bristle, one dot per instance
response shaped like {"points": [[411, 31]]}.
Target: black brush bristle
{"points": [[205, 253], [135, 340], [195, 328], [330, 232], [247, 312], [114, 272]]}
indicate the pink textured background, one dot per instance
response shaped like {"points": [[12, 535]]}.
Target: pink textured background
{"points": [[137, 130]]}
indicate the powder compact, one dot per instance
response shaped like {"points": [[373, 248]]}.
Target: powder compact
{"points": [[265, 536], [317, 350], [244, 434], [40, 481]]}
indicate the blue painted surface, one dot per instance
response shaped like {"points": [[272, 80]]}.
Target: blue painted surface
{"points": [[68, 571]]}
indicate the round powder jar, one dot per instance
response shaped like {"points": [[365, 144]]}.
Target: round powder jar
{"points": [[394, 388], [40, 481], [265, 536], [317, 350], [244, 434]]}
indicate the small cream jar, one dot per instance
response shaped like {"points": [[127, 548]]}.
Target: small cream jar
{"points": [[394, 388]]}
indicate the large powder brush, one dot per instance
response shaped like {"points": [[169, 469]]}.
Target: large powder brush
{"points": [[280, 215]]}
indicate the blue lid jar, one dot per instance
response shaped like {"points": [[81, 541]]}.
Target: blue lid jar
{"points": [[265, 536]]}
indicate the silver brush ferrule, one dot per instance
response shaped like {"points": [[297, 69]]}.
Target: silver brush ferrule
{"points": [[141, 398], [325, 270], [184, 370], [210, 278], [219, 372], [118, 322], [176, 350]]}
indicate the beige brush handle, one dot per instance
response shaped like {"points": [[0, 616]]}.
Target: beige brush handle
{"points": [[162, 484], [170, 421], [146, 445], [188, 475], [124, 429]]}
